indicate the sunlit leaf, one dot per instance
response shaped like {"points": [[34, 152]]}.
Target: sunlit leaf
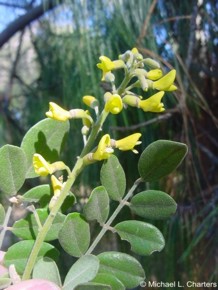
{"points": [[82, 271], [45, 138], [124, 267], [113, 178], [51, 273], [12, 169], [19, 253], [74, 235], [143, 237], [28, 228], [97, 207]]}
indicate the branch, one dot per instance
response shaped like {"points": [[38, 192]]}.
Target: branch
{"points": [[21, 22]]}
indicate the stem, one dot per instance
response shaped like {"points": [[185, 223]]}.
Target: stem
{"points": [[45, 228], [71, 179], [114, 215], [95, 130], [124, 83], [5, 224]]}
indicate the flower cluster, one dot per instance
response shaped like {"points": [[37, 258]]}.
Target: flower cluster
{"points": [[144, 73]]}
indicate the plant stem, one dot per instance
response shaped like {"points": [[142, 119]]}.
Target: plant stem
{"points": [[45, 228], [5, 224], [114, 215]]}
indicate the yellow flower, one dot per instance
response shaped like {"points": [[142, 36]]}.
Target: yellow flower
{"points": [[104, 149], [41, 166], [57, 185], [154, 74], [114, 103], [153, 104], [134, 50], [90, 101], [57, 113], [128, 143], [165, 82], [107, 65]]}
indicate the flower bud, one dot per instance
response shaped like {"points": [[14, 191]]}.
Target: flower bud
{"points": [[131, 100], [154, 74], [90, 101], [151, 63]]}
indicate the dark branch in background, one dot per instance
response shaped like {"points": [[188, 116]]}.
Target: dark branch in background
{"points": [[21, 22]]}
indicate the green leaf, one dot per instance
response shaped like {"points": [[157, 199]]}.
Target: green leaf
{"points": [[93, 286], [153, 204], [45, 138], [124, 267], [19, 253], [160, 158], [84, 270], [97, 207], [2, 214], [143, 237], [40, 194], [47, 269], [12, 169], [113, 178], [27, 228], [109, 279], [74, 235], [5, 282]]}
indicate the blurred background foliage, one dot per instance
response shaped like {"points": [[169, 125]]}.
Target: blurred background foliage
{"points": [[54, 59]]}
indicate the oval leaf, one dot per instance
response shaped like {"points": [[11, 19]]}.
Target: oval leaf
{"points": [[19, 253], [41, 194], [12, 169], [97, 207], [124, 267], [74, 235], [143, 237], [113, 178], [27, 228], [109, 279], [84, 270], [45, 138], [153, 204], [51, 273], [160, 158]]}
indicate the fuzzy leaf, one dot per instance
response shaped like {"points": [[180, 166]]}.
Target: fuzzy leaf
{"points": [[97, 207], [27, 228], [74, 235], [51, 273], [82, 271], [12, 169], [124, 267], [143, 237], [19, 253], [46, 138], [153, 204], [113, 178], [160, 158], [40, 194]]}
